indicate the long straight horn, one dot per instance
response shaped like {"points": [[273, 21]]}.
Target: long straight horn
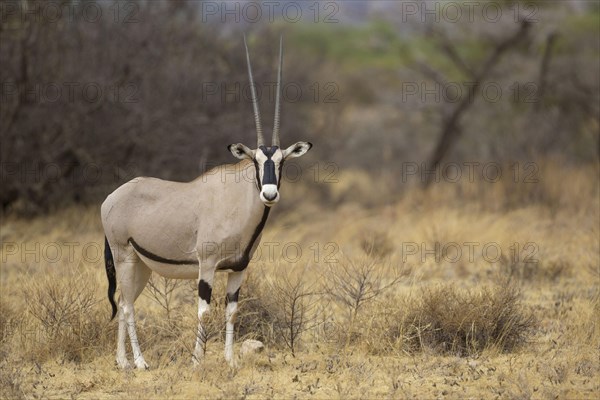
{"points": [[275, 141], [259, 134]]}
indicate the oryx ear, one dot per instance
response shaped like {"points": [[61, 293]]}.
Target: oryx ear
{"points": [[240, 151], [296, 150]]}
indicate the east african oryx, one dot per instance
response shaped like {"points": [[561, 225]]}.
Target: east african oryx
{"points": [[188, 230]]}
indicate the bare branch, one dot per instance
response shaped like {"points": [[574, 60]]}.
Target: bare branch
{"points": [[450, 131]]}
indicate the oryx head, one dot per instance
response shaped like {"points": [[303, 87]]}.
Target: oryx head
{"points": [[268, 160]]}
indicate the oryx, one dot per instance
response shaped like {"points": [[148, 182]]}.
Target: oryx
{"points": [[191, 230]]}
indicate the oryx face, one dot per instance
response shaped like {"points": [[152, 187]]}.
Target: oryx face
{"points": [[268, 162]]}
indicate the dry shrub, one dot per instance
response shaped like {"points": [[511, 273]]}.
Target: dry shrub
{"points": [[355, 287], [7, 320], [535, 271], [280, 308], [467, 321], [10, 374], [168, 332], [166, 341], [11, 377], [68, 319], [256, 317], [354, 283], [161, 290], [295, 305], [382, 329]]}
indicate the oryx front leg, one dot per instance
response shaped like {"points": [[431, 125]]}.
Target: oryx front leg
{"points": [[205, 282], [234, 281]]}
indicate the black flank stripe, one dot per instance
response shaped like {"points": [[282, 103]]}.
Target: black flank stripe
{"points": [[156, 258]]}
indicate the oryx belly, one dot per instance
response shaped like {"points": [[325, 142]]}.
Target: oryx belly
{"points": [[183, 271], [183, 267]]}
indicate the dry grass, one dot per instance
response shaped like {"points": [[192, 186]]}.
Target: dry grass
{"points": [[466, 322], [68, 322], [364, 317]]}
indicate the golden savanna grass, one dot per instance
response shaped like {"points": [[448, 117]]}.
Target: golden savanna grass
{"points": [[369, 294]]}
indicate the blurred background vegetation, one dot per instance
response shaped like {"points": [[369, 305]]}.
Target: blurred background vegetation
{"points": [[106, 91]]}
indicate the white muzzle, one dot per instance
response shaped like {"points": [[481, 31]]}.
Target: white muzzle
{"points": [[269, 194]]}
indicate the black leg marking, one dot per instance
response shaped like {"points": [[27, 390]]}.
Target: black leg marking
{"points": [[204, 291], [232, 298]]}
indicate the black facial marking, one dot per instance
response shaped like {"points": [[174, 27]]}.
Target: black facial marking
{"points": [[269, 151], [160, 259], [204, 291], [258, 184], [269, 177], [242, 263], [280, 170], [232, 298]]}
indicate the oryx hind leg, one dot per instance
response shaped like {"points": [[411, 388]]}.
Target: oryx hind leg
{"points": [[234, 281], [132, 275]]}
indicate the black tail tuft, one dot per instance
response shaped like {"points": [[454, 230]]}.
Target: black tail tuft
{"points": [[111, 275]]}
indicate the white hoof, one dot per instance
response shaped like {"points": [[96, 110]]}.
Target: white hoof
{"points": [[122, 363], [140, 363]]}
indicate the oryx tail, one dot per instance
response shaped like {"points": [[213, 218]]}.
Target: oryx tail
{"points": [[111, 275]]}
